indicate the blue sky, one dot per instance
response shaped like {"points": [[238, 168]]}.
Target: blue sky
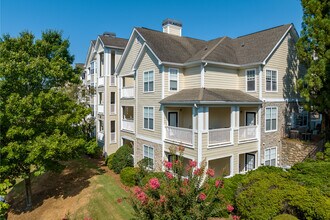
{"points": [[82, 20]]}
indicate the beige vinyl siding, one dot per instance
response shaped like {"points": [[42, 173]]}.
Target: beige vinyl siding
{"points": [[188, 152], [192, 77], [242, 81], [149, 99], [184, 114], [167, 92], [134, 50], [220, 78], [219, 117], [279, 61], [118, 55]]}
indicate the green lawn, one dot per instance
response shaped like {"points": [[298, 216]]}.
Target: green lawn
{"points": [[103, 203]]}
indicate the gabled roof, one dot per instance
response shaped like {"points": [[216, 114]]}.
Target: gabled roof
{"points": [[115, 42], [210, 96], [171, 48], [251, 48]]}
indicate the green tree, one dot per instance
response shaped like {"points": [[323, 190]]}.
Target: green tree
{"points": [[313, 51], [41, 123]]}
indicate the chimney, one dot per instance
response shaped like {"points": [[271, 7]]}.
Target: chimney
{"points": [[171, 26], [109, 34]]}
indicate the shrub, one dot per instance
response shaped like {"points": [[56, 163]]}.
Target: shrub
{"points": [[108, 160], [128, 176], [122, 158], [175, 196], [231, 185], [93, 149], [264, 195], [285, 217], [313, 174]]}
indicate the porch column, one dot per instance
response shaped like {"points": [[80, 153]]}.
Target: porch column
{"points": [[200, 126], [259, 135]]}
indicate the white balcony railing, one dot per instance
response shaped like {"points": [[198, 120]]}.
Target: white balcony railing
{"points": [[247, 133], [128, 124], [182, 135], [113, 137], [112, 80], [128, 92], [100, 109], [100, 81], [220, 136], [112, 109]]}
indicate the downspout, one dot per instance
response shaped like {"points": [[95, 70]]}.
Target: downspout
{"points": [[259, 114]]}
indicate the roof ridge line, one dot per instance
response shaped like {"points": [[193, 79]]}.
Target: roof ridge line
{"points": [[213, 48]]}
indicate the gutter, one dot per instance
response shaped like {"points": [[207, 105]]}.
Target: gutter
{"points": [[210, 103]]}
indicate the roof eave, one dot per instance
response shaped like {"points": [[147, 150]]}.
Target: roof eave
{"points": [[210, 103]]}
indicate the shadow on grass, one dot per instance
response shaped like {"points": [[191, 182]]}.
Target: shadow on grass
{"points": [[70, 182]]}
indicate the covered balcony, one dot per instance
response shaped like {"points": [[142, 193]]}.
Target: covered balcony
{"points": [[128, 87], [218, 122], [247, 162], [178, 127], [127, 122]]}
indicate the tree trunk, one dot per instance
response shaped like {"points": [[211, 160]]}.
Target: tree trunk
{"points": [[28, 191]]}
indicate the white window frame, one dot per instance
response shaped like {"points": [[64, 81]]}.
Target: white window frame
{"points": [[101, 99], [90, 69], [153, 87], [255, 80], [177, 79], [271, 107], [270, 159], [147, 156], [102, 131], [271, 87], [153, 119]]}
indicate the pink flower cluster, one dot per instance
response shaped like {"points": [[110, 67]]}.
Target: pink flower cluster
{"points": [[192, 163], [210, 172], [198, 172], [140, 195], [202, 196], [219, 183], [162, 199], [236, 217], [168, 165], [230, 208], [154, 183], [169, 175]]}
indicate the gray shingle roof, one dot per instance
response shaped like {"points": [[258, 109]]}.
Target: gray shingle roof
{"points": [[113, 41], [209, 95], [171, 48], [251, 48]]}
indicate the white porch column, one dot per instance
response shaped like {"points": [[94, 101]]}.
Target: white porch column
{"points": [[200, 126], [259, 135]]}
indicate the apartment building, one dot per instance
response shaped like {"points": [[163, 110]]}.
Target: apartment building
{"points": [[101, 92], [226, 100]]}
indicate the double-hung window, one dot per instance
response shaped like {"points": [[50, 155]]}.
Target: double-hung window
{"points": [[271, 118], [271, 80], [251, 80], [92, 69], [270, 156], [148, 154], [173, 79], [148, 81], [148, 118]]}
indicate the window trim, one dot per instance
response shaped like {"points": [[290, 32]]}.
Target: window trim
{"points": [[169, 79], [271, 119], [153, 119], [270, 148], [153, 156], [271, 81], [153, 73], [255, 80], [101, 98]]}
